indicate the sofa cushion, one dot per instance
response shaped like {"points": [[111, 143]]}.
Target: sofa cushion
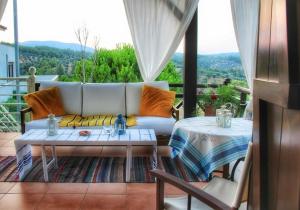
{"points": [[134, 93], [161, 125], [156, 102], [71, 94], [45, 102], [38, 124], [103, 98], [43, 124]]}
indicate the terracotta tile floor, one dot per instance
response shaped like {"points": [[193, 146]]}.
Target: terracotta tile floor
{"points": [[64, 196]]}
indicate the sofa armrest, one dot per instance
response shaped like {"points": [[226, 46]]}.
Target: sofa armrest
{"points": [[175, 113], [23, 117]]}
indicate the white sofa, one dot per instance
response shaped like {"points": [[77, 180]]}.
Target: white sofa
{"points": [[106, 98]]}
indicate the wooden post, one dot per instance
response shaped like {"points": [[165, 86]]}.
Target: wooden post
{"points": [[190, 68], [31, 80]]}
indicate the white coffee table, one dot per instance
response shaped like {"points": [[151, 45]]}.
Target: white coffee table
{"points": [[70, 137]]}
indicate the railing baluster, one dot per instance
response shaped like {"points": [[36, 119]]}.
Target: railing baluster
{"points": [[31, 80]]}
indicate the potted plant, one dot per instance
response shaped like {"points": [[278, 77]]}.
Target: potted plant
{"points": [[207, 100], [212, 99]]}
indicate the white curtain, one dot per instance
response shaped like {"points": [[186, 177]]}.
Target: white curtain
{"points": [[245, 21], [2, 8], [157, 27]]}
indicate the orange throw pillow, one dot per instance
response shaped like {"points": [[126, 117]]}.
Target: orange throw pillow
{"points": [[45, 102], [156, 102]]}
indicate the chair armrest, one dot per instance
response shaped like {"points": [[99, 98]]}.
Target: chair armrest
{"points": [[175, 113], [189, 189], [23, 117]]}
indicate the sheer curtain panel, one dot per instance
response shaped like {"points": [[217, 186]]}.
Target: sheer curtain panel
{"points": [[2, 8], [245, 21], [157, 27]]}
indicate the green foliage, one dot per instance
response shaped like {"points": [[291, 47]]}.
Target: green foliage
{"points": [[226, 94], [116, 65], [206, 98], [218, 97], [226, 65], [13, 99], [46, 60]]}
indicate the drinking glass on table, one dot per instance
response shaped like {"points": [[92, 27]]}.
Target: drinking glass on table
{"points": [[107, 128]]}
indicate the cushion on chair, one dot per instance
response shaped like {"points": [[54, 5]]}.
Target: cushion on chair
{"points": [[45, 102], [70, 94], [222, 189], [134, 92], [156, 102], [180, 203], [103, 98], [219, 188], [161, 125]]}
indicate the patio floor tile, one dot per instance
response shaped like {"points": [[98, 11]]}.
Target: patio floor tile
{"points": [[29, 188], [141, 188], [171, 190], [67, 188], [10, 135], [104, 202], [141, 202], [7, 151], [20, 201], [9, 143], [6, 186], [61, 202], [107, 188]]}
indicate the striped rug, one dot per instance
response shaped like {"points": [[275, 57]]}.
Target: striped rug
{"points": [[93, 170]]}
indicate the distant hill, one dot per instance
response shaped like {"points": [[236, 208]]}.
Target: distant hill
{"points": [[224, 65], [55, 44], [48, 60], [53, 57]]}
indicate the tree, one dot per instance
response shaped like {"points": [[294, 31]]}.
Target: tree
{"points": [[82, 35], [60, 69], [118, 65]]}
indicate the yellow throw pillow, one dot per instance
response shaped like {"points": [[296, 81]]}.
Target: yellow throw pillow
{"points": [[156, 102], [45, 102]]}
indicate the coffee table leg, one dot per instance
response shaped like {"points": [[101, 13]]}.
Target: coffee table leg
{"points": [[45, 167], [54, 156], [128, 162]]}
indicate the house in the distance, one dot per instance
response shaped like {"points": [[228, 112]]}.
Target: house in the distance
{"points": [[7, 60]]}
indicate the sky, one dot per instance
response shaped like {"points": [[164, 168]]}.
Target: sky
{"points": [[43, 20]]}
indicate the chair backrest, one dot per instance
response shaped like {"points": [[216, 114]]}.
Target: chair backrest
{"points": [[244, 175]]}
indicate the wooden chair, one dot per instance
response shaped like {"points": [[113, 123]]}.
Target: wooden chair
{"points": [[219, 193]]}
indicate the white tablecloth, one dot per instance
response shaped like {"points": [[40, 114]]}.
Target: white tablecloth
{"points": [[204, 147]]}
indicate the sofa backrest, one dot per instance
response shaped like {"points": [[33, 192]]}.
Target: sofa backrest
{"points": [[71, 94], [103, 98], [134, 92]]}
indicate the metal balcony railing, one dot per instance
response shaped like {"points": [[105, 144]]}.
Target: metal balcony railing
{"points": [[12, 90]]}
